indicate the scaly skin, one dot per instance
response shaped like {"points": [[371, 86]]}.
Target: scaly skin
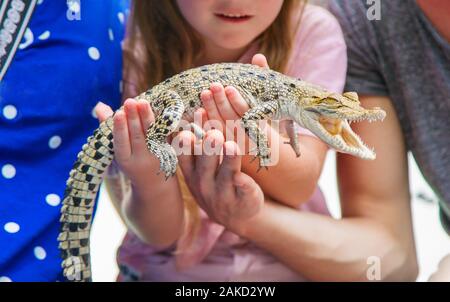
{"points": [[270, 95]]}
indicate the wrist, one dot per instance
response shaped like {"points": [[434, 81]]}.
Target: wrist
{"points": [[142, 193], [246, 228], [258, 225], [145, 177], [154, 215]]}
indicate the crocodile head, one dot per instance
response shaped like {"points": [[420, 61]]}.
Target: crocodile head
{"points": [[329, 115]]}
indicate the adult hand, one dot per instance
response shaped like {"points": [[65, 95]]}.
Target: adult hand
{"points": [[229, 196]]}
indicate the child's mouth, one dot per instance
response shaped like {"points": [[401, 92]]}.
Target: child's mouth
{"points": [[234, 18]]}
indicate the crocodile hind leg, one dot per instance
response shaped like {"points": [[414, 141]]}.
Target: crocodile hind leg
{"points": [[262, 111], [165, 123]]}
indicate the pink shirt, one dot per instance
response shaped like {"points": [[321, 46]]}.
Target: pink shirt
{"points": [[318, 56]]}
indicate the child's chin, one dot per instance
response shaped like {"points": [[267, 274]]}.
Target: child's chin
{"points": [[234, 42]]}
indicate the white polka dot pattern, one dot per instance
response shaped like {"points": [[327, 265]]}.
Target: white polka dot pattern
{"points": [[9, 112], [11, 227], [54, 142], [53, 199], [8, 171], [40, 253], [94, 54]]}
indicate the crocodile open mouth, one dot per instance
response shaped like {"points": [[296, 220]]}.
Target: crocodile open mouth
{"points": [[342, 137]]}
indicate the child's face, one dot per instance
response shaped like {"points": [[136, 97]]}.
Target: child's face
{"points": [[230, 24]]}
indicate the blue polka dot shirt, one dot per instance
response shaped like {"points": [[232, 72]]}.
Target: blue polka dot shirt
{"points": [[68, 60]]}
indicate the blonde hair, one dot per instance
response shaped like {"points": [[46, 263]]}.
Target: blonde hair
{"points": [[167, 45]]}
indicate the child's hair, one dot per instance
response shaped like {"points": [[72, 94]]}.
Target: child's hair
{"points": [[161, 43], [171, 45]]}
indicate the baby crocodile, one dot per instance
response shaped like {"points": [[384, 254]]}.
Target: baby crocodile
{"points": [[270, 96]]}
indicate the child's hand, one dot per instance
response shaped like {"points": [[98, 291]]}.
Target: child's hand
{"points": [[222, 104], [130, 150]]}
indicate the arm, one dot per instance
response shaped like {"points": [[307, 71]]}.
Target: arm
{"points": [[150, 206], [281, 181], [376, 215]]}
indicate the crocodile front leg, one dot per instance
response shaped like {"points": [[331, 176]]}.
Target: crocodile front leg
{"points": [[165, 123], [262, 111], [293, 137]]}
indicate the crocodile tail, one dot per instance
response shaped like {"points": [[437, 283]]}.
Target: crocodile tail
{"points": [[79, 199]]}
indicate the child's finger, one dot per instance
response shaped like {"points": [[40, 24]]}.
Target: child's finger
{"points": [[136, 133], [260, 60], [102, 111], [122, 147], [239, 105], [200, 117], [145, 114], [210, 106], [224, 107]]}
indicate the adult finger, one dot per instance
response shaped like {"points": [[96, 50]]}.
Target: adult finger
{"points": [[206, 164], [185, 158], [230, 165], [200, 118], [246, 187]]}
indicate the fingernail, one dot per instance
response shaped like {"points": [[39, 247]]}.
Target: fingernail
{"points": [[229, 150], [128, 102], [215, 87]]}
